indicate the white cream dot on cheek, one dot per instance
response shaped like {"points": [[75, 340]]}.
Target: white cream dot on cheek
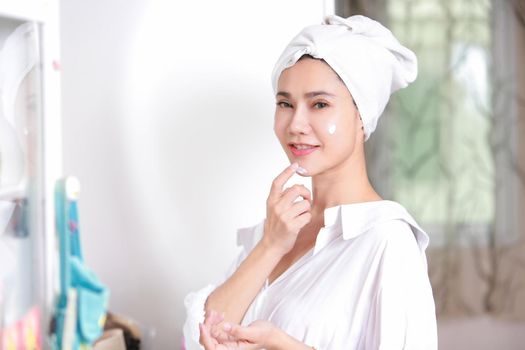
{"points": [[331, 129]]}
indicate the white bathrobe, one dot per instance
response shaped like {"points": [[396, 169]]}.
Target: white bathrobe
{"points": [[364, 285]]}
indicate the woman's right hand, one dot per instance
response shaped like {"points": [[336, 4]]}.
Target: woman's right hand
{"points": [[285, 216]]}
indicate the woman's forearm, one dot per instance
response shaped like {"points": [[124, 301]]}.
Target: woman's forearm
{"points": [[236, 294], [284, 219]]}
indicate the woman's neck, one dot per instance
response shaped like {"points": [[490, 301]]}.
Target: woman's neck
{"points": [[345, 184]]}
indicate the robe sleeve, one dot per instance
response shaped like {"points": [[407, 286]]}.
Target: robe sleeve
{"points": [[403, 315]]}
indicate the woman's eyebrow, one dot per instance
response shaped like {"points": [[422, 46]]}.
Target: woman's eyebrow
{"points": [[318, 93], [284, 94], [307, 95]]}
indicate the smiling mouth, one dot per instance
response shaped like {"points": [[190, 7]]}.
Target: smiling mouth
{"points": [[302, 149]]}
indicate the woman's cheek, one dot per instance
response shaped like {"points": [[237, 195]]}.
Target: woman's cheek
{"points": [[278, 127]]}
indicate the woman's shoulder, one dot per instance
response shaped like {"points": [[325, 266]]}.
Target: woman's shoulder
{"points": [[397, 232], [384, 221]]}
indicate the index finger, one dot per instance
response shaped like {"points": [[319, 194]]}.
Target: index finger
{"points": [[280, 180], [205, 337]]}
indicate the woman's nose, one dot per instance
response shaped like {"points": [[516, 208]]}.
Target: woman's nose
{"points": [[299, 124]]}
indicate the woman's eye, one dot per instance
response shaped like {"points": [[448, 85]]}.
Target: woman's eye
{"points": [[320, 105], [283, 104]]}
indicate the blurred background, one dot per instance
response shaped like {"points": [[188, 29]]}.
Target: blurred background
{"points": [[451, 148], [167, 117]]}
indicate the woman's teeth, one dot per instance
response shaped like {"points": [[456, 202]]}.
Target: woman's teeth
{"points": [[303, 146]]}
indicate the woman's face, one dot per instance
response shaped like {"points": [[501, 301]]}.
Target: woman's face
{"points": [[316, 120]]}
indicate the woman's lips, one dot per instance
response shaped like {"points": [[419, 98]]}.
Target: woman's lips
{"points": [[302, 150]]}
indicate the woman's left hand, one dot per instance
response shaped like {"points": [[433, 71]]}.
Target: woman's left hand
{"points": [[262, 335], [258, 335], [213, 337]]}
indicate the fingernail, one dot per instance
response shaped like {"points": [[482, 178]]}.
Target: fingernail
{"points": [[301, 170], [295, 166], [227, 326]]}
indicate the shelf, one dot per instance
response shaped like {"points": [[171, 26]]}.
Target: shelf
{"points": [[30, 96]]}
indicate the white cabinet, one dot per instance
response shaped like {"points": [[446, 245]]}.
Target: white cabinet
{"points": [[30, 162]]}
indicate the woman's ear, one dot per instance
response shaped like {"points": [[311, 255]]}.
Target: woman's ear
{"points": [[360, 132], [360, 120]]}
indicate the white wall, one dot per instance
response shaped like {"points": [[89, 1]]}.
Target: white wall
{"points": [[167, 111]]}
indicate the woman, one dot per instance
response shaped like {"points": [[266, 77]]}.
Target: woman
{"points": [[338, 268]]}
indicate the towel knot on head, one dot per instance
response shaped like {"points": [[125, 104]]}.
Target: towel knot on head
{"points": [[367, 57]]}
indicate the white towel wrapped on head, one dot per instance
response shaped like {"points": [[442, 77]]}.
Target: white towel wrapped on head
{"points": [[366, 56]]}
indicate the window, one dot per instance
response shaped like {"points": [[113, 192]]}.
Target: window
{"points": [[449, 149], [443, 168]]}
